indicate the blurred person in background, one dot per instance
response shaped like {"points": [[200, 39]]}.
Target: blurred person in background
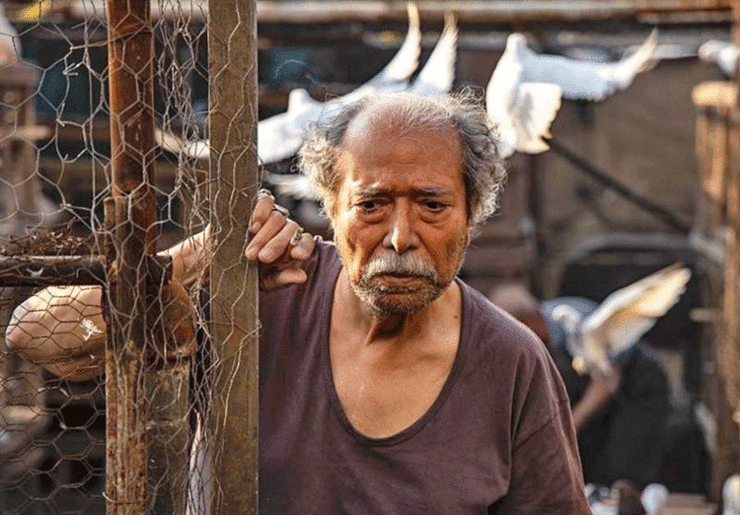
{"points": [[620, 415]]}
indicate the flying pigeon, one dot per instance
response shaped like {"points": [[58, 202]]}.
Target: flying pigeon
{"points": [[625, 316], [280, 136], [722, 53], [524, 93], [435, 78]]}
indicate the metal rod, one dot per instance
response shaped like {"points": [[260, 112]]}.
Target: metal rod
{"points": [[666, 216], [233, 416], [42, 271], [132, 142], [47, 270]]}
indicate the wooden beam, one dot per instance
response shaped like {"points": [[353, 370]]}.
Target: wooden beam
{"points": [[505, 11]]}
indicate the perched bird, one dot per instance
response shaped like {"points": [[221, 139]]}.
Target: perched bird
{"points": [[524, 93], [723, 53], [653, 498], [624, 317]]}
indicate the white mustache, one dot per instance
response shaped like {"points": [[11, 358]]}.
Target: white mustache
{"points": [[403, 264]]}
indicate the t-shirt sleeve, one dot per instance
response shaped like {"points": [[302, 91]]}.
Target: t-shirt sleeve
{"points": [[546, 475]]}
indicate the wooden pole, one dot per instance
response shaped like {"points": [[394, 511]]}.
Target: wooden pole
{"points": [[147, 401], [233, 417], [133, 216]]}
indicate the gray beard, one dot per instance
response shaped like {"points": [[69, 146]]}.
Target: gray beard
{"points": [[388, 300]]}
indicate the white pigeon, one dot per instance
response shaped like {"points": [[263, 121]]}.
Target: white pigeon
{"points": [[191, 149], [435, 78], [724, 54], [627, 314], [653, 498], [280, 136], [524, 93]]}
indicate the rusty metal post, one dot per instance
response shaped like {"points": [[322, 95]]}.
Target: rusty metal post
{"points": [[133, 210], [233, 418]]}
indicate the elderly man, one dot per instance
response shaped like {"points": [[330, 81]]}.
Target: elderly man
{"points": [[396, 388]]}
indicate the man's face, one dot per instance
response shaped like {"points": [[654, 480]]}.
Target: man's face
{"points": [[400, 216]]}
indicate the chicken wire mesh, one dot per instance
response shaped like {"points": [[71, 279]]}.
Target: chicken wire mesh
{"points": [[61, 199]]}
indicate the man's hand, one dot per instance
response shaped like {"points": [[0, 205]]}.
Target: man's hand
{"points": [[277, 243]]}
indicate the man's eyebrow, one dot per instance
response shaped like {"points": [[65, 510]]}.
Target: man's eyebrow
{"points": [[431, 192], [374, 191], [370, 191]]}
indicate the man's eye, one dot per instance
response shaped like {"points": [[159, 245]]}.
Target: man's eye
{"points": [[368, 205], [433, 205]]}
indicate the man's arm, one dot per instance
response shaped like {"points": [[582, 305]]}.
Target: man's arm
{"points": [[62, 327], [601, 389]]}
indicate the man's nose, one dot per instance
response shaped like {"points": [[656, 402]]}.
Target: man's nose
{"points": [[401, 233]]}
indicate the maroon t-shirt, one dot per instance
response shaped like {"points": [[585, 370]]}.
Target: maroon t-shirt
{"points": [[498, 439]]}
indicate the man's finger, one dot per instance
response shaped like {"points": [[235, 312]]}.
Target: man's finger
{"points": [[263, 208], [303, 248], [271, 228], [279, 244]]}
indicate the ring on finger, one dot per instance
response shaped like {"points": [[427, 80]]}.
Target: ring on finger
{"points": [[280, 209], [297, 236], [264, 191]]}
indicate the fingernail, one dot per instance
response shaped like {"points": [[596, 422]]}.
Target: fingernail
{"points": [[256, 227], [251, 253], [299, 253]]}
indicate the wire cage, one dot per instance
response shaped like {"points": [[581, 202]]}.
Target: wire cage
{"points": [[108, 400]]}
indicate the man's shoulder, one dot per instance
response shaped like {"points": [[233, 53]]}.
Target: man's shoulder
{"points": [[491, 325]]}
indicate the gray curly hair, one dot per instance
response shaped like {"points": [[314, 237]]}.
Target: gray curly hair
{"points": [[483, 169]]}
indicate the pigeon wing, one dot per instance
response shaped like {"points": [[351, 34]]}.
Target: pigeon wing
{"points": [[438, 74], [623, 72], [584, 79], [535, 109], [627, 314], [577, 79], [404, 63], [502, 94]]}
